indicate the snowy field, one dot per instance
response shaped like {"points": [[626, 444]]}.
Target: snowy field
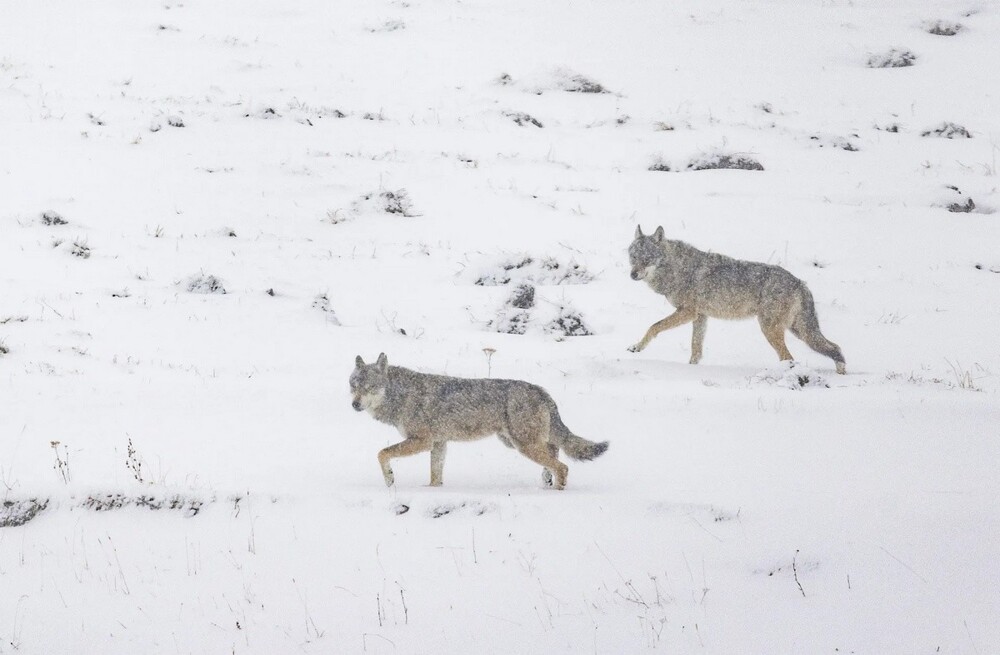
{"points": [[210, 208]]}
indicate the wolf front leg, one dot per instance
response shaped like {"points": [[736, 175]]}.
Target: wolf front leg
{"points": [[405, 448], [698, 338], [679, 317], [438, 451]]}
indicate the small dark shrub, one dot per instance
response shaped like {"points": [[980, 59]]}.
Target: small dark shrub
{"points": [[943, 28], [522, 119], [660, 165], [724, 161], [962, 207], [14, 513], [947, 130], [53, 218], [525, 269], [385, 201], [523, 297], [510, 321], [569, 323], [396, 202], [205, 284], [840, 142], [581, 84], [894, 58], [80, 249], [389, 26], [322, 303]]}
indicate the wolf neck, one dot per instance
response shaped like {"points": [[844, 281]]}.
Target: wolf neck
{"points": [[388, 410], [667, 279]]}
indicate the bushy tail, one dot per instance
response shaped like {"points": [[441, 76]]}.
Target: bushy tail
{"points": [[806, 327], [575, 447]]}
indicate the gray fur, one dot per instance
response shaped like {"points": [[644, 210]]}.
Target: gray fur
{"points": [[430, 410], [702, 285]]}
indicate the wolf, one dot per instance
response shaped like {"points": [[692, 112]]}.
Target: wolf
{"points": [[431, 410], [701, 285]]}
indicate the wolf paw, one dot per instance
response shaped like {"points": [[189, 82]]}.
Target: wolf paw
{"points": [[635, 348], [390, 479]]}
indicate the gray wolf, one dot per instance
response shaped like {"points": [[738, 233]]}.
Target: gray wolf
{"points": [[431, 410], [701, 285]]}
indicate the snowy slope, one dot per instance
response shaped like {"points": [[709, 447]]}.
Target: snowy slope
{"points": [[252, 143]]}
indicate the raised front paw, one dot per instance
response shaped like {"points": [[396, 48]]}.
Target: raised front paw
{"points": [[635, 348]]}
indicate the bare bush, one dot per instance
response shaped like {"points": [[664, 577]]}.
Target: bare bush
{"points": [[943, 27], [893, 58], [720, 160], [947, 130], [525, 268], [202, 283], [50, 217]]}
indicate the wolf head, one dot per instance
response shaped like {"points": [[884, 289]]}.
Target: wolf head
{"points": [[368, 382], [645, 252]]}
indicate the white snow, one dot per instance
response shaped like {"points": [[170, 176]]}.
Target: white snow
{"points": [[251, 143]]}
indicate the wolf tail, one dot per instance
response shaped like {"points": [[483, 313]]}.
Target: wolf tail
{"points": [[806, 327], [575, 447]]}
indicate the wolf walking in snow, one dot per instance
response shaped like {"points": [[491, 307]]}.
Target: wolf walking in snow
{"points": [[431, 410], [702, 285]]}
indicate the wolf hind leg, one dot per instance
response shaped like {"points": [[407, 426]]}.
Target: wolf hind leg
{"points": [[698, 337], [529, 432], [438, 452], [542, 454], [774, 332], [547, 473], [815, 340], [405, 448]]}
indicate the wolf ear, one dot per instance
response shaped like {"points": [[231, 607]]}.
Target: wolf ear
{"points": [[658, 235], [358, 362], [382, 362], [638, 232]]}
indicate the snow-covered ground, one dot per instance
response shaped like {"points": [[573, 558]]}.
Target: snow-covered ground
{"points": [[347, 172]]}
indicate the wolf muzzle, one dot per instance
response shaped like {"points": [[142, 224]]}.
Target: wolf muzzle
{"points": [[357, 405], [635, 275]]}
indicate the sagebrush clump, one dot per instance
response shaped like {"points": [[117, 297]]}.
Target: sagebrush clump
{"points": [[525, 269], [947, 130], [50, 217], [659, 165], [719, 160], [14, 513], [521, 119], [893, 58], [943, 28], [568, 323], [385, 201], [202, 283]]}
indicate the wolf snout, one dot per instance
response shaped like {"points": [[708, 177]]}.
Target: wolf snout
{"points": [[635, 275], [356, 405]]}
